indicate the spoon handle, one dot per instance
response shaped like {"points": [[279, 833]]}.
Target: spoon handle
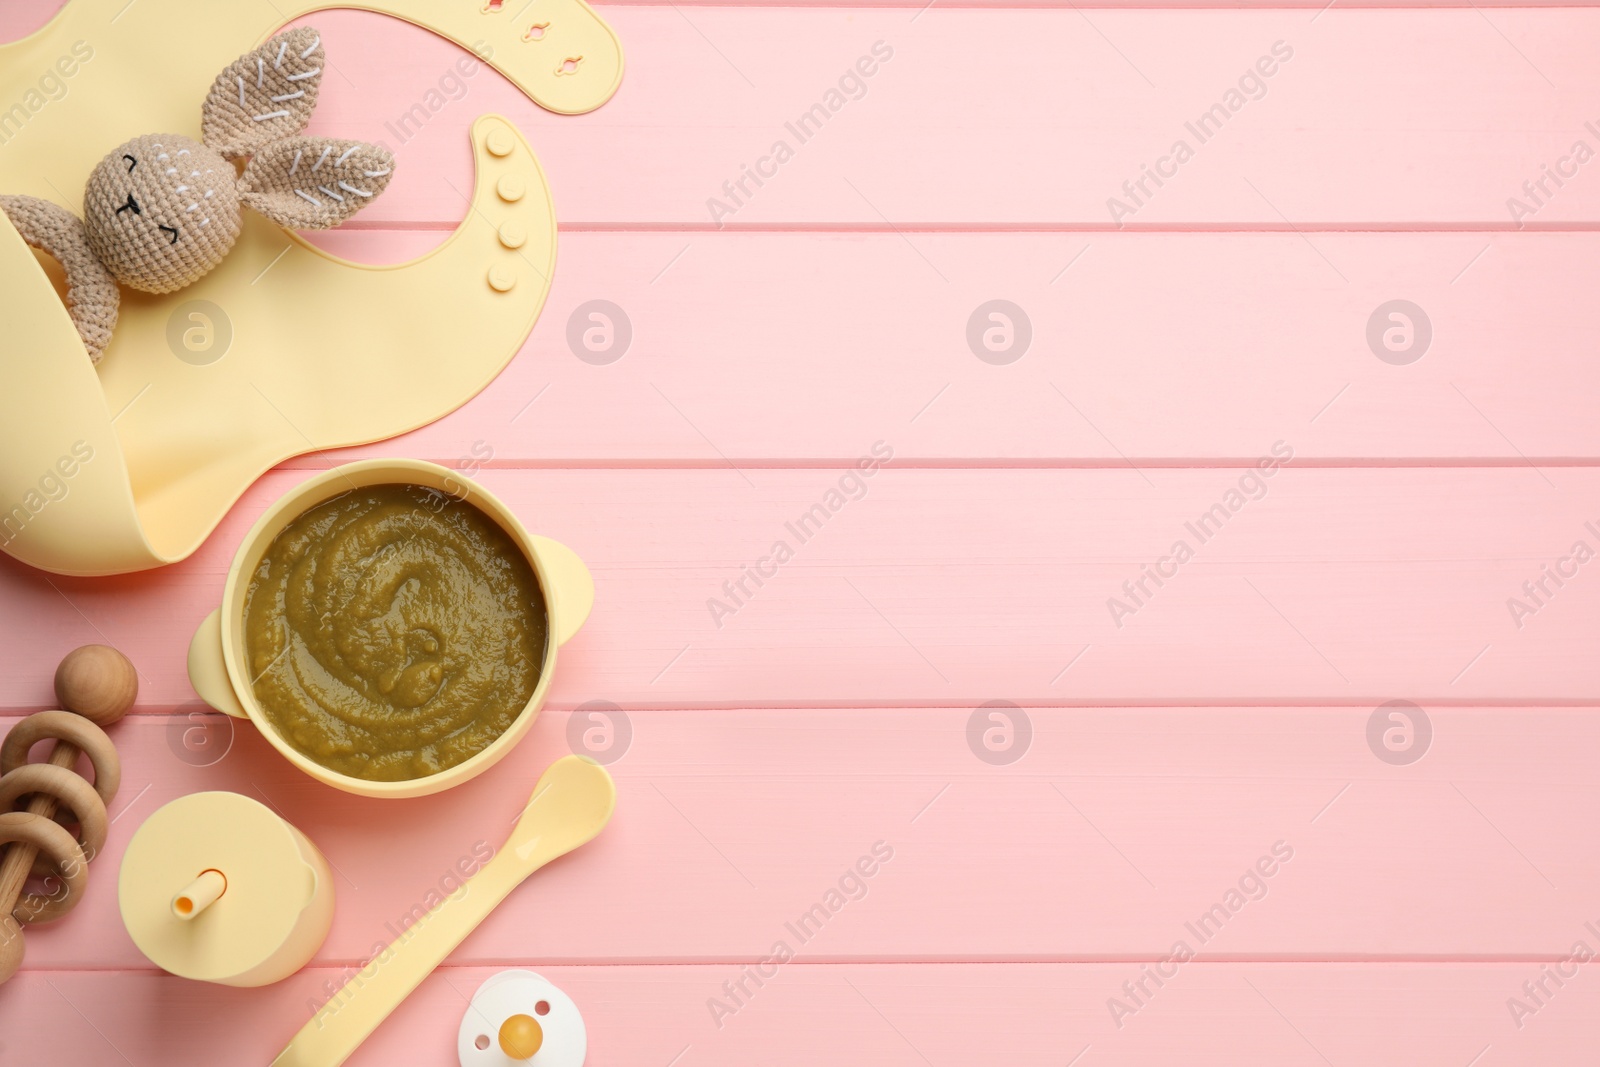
{"points": [[571, 804], [350, 1015]]}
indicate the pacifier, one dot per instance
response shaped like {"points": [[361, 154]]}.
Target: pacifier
{"points": [[519, 1018]]}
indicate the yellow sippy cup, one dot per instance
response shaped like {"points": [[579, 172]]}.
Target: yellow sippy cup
{"points": [[216, 887]]}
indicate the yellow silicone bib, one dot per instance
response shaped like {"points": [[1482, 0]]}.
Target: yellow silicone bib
{"points": [[281, 350]]}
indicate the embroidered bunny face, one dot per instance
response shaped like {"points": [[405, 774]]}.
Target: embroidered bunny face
{"points": [[161, 211]]}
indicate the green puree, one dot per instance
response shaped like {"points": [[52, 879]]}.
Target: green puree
{"points": [[393, 632]]}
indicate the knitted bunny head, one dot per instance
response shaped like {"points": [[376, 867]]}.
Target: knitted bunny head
{"points": [[162, 210]]}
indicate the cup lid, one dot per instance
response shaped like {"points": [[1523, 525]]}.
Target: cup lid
{"points": [[265, 908]]}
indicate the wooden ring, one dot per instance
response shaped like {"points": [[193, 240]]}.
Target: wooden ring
{"points": [[11, 947], [64, 818], [65, 726], [71, 791], [44, 835]]}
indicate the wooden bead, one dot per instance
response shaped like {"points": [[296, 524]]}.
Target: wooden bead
{"points": [[97, 682]]}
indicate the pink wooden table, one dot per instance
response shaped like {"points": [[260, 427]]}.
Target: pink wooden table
{"points": [[1090, 755]]}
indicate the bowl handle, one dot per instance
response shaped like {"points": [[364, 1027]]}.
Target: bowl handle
{"points": [[207, 671], [573, 594]]}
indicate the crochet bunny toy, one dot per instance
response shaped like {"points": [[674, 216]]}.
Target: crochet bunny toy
{"points": [[162, 210]]}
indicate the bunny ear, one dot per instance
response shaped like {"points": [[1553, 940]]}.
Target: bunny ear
{"points": [[265, 95], [312, 183]]}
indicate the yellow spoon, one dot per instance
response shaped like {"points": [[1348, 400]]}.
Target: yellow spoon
{"points": [[571, 804]]}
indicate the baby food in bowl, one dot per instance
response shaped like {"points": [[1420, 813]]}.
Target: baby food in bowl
{"points": [[393, 632]]}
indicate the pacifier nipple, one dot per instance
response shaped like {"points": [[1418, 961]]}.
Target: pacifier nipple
{"points": [[540, 1024], [521, 1036]]}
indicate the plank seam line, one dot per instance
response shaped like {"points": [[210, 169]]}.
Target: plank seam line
{"points": [[1227, 463], [1103, 5], [980, 228], [496, 962], [1542, 704]]}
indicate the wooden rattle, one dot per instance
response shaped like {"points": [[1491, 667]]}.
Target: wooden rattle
{"points": [[96, 685]]}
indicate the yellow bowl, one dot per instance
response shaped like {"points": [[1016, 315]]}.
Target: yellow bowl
{"points": [[217, 653]]}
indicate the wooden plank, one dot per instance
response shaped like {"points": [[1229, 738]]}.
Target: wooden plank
{"points": [[1139, 349], [1111, 836], [953, 587], [1431, 118], [1292, 1015], [22, 17], [944, 588]]}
